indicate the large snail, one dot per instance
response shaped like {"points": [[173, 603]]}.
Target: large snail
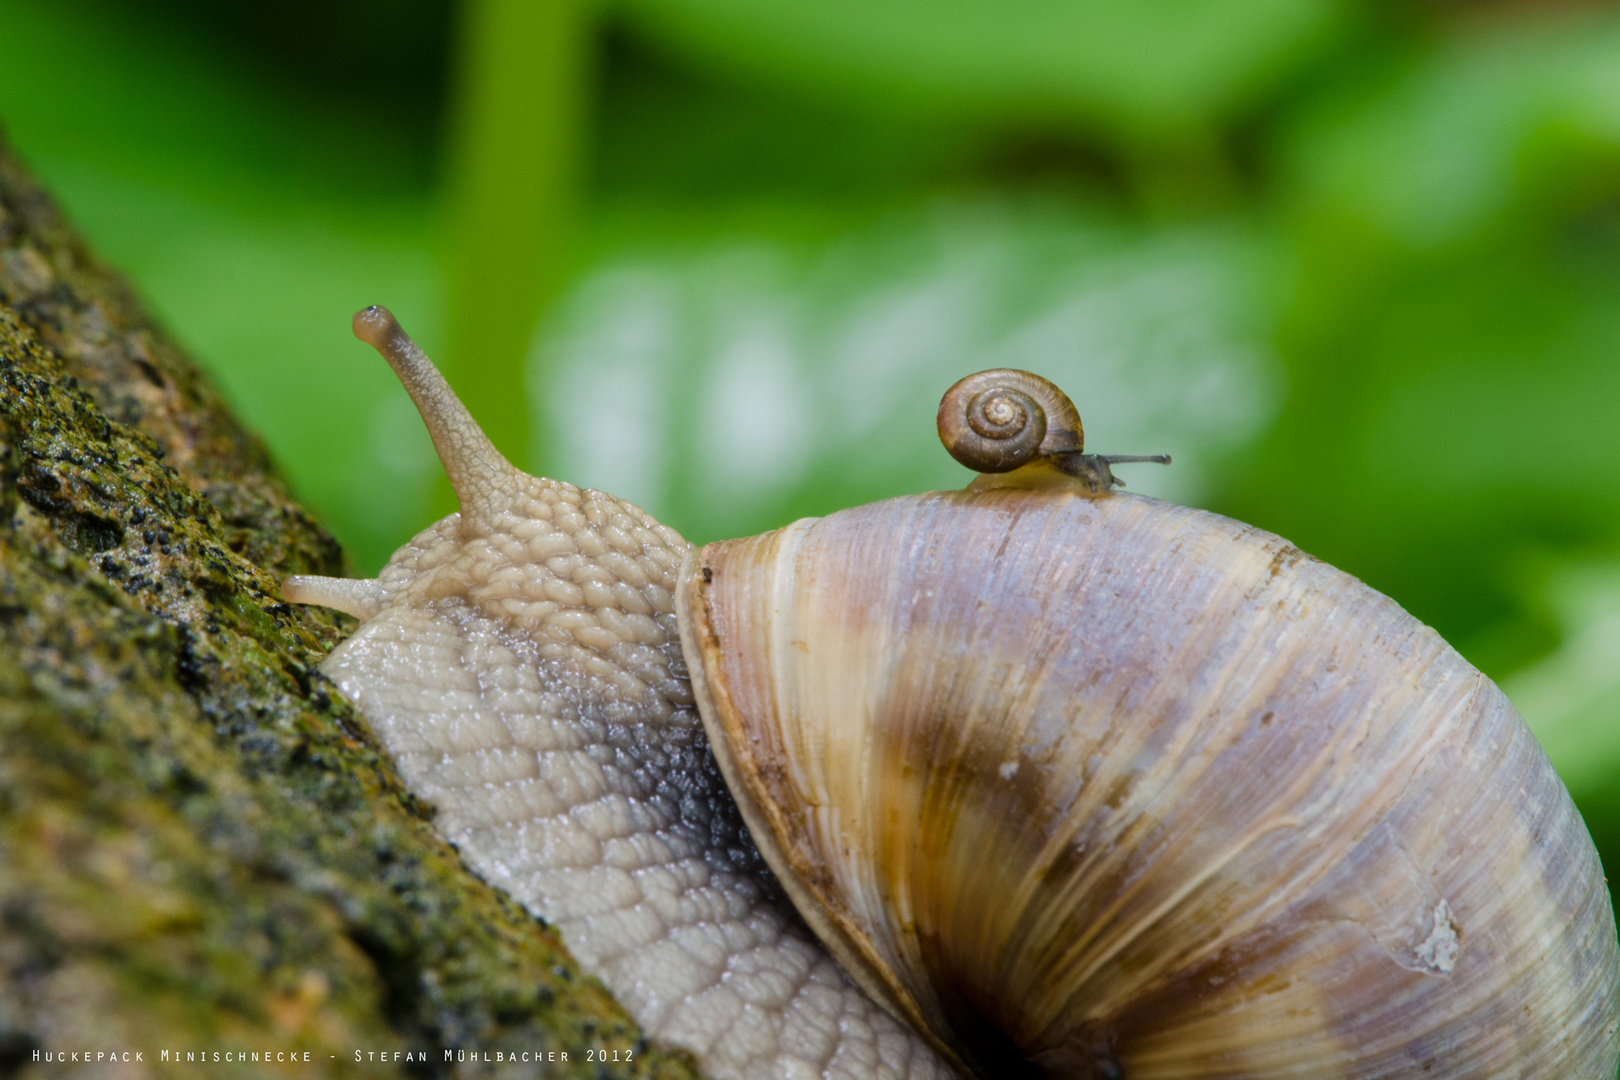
{"points": [[1072, 784]]}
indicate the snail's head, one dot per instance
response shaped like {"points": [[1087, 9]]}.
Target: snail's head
{"points": [[585, 575]]}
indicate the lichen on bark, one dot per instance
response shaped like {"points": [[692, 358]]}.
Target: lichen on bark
{"points": [[201, 846]]}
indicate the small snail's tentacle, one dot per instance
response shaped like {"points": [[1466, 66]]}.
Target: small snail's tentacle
{"points": [[1090, 469], [1095, 471], [361, 597], [1126, 459], [998, 420], [478, 472]]}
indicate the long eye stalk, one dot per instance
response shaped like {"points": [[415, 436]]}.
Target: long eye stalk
{"points": [[1095, 469], [477, 471]]}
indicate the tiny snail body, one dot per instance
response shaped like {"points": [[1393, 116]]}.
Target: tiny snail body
{"points": [[1072, 784]]}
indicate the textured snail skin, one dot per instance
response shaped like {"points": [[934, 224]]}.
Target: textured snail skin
{"points": [[520, 662], [1149, 793]]}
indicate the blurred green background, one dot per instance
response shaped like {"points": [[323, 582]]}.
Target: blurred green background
{"points": [[1355, 264]]}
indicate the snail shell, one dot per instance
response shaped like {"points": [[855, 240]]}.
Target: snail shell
{"points": [[1088, 787], [997, 421], [1120, 785]]}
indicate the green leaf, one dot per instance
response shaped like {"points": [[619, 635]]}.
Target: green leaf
{"points": [[1490, 124], [1148, 69], [1571, 699]]}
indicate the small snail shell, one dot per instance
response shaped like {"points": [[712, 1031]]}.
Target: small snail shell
{"points": [[996, 421], [1077, 786]]}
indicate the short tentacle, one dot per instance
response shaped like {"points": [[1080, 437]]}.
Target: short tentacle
{"points": [[360, 597]]}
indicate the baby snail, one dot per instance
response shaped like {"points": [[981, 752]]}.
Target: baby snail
{"points": [[1030, 779]]}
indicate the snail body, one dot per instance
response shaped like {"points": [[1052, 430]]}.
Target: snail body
{"points": [[1073, 785]]}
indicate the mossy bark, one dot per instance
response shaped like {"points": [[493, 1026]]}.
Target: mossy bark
{"points": [[202, 848]]}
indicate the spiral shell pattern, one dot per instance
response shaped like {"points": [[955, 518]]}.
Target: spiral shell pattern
{"points": [[999, 420], [1138, 791]]}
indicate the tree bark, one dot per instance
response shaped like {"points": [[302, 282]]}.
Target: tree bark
{"points": [[202, 848]]}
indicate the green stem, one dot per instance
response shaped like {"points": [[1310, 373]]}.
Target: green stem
{"points": [[515, 148]]}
